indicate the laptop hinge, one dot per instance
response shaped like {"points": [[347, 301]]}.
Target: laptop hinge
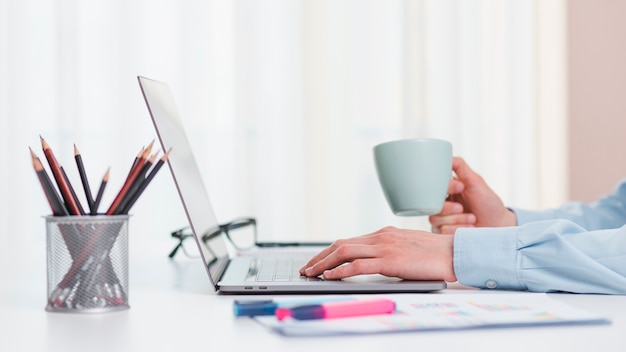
{"points": [[217, 267]]}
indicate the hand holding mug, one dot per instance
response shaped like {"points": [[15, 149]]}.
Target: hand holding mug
{"points": [[471, 203]]}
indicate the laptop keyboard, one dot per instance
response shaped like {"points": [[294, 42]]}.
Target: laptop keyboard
{"points": [[279, 270]]}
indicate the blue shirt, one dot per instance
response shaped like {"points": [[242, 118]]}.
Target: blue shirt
{"points": [[579, 247]]}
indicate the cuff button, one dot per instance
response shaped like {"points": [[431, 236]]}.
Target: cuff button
{"points": [[491, 283]]}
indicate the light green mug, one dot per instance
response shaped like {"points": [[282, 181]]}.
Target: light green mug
{"points": [[414, 174]]}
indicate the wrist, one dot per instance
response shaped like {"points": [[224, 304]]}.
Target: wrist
{"points": [[509, 218], [450, 275]]}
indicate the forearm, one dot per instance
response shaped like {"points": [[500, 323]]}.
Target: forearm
{"points": [[605, 213], [542, 256]]}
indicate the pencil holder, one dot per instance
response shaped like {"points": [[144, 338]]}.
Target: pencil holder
{"points": [[87, 263]]}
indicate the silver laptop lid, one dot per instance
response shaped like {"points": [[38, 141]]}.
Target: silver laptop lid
{"points": [[186, 175]]}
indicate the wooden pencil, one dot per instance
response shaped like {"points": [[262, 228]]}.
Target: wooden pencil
{"points": [[134, 172], [72, 192], [141, 157], [64, 188], [54, 199], [103, 184], [132, 166], [144, 183], [135, 185], [83, 178], [141, 176]]}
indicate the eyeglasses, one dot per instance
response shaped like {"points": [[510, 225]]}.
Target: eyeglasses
{"points": [[241, 233], [188, 247]]}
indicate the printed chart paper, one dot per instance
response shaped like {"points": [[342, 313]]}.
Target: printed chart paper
{"points": [[425, 312]]}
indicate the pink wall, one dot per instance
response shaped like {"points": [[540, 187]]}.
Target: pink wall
{"points": [[597, 96]]}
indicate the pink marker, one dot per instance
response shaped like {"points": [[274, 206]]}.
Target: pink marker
{"points": [[340, 309]]}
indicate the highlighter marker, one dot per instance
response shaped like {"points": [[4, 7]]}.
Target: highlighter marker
{"points": [[332, 310], [268, 307]]}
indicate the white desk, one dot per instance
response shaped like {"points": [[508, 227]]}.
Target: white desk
{"points": [[173, 309]]}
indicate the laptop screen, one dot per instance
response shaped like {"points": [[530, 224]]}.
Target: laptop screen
{"points": [[186, 173]]}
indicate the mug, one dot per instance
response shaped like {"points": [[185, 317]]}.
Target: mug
{"points": [[414, 174]]}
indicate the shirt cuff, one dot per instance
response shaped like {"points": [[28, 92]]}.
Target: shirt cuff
{"points": [[525, 216], [487, 257]]}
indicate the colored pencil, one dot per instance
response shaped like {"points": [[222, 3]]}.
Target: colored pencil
{"points": [[141, 156], [145, 183], [137, 158], [140, 177], [83, 273], [134, 172], [72, 192], [83, 178], [64, 188], [136, 182], [54, 199], [103, 184]]}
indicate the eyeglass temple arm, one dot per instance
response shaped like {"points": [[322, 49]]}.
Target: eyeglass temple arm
{"points": [[178, 233], [175, 250]]}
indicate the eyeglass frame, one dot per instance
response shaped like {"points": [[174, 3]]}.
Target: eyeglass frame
{"points": [[224, 228]]}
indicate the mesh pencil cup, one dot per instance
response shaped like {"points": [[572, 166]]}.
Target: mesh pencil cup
{"points": [[87, 263]]}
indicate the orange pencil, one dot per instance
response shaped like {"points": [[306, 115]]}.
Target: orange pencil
{"points": [[66, 193]]}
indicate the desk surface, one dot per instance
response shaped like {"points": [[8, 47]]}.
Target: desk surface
{"points": [[174, 309]]}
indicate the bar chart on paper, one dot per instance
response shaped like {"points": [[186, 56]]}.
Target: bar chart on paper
{"points": [[446, 312]]}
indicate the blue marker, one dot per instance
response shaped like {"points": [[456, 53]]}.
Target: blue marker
{"points": [[268, 307]]}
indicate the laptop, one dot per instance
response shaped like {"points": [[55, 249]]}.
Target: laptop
{"points": [[245, 272]]}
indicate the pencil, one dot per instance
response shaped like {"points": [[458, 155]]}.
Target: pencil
{"points": [[103, 184], [55, 201], [135, 184], [56, 204], [139, 159], [72, 192], [143, 149], [141, 176], [144, 183], [64, 188], [134, 172], [83, 178], [149, 147], [141, 156]]}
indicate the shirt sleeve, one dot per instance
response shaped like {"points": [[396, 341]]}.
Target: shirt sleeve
{"points": [[542, 256], [607, 212]]}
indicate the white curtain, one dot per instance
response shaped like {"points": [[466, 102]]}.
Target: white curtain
{"points": [[283, 101]]}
